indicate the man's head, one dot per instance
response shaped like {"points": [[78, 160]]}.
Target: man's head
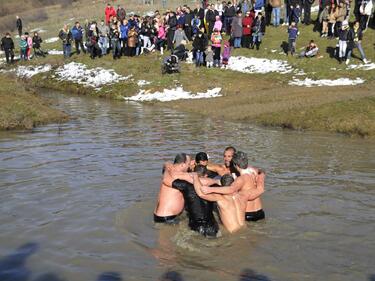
{"points": [[228, 155], [201, 158], [201, 170], [182, 161], [240, 160], [77, 23], [7, 34], [226, 180]]}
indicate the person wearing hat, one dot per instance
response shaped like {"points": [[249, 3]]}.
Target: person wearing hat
{"points": [[343, 39], [7, 45]]}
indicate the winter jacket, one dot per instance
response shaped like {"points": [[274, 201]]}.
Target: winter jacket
{"points": [[324, 15], [172, 23], [210, 17], [216, 39], [296, 15], [161, 33], [259, 25], [181, 20], [218, 25], [195, 23], [124, 29], [353, 37], [188, 19], [259, 4], [7, 43], [237, 27], [209, 56], [109, 12], [343, 34], [226, 52], [229, 12], [77, 33], [19, 24], [121, 14], [29, 42], [200, 13], [179, 35], [132, 38], [66, 36], [23, 44], [293, 32], [247, 23], [103, 30], [37, 41], [200, 41], [366, 7]]}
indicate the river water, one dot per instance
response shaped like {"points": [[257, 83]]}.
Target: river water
{"points": [[76, 200]]}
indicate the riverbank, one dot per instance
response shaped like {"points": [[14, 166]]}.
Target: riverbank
{"points": [[22, 109], [265, 87]]}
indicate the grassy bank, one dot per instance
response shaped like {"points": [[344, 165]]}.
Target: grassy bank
{"points": [[20, 109]]}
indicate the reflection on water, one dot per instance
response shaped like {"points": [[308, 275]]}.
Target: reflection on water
{"points": [[84, 191]]}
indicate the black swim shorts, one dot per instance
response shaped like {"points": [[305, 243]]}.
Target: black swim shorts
{"points": [[255, 216], [166, 219]]}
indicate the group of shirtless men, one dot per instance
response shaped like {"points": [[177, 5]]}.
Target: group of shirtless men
{"points": [[195, 185]]}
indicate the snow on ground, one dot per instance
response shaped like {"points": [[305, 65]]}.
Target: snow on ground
{"points": [[307, 82], [39, 30], [258, 65], [55, 52], [367, 66], [29, 71], [51, 40], [174, 94], [95, 77], [142, 83]]}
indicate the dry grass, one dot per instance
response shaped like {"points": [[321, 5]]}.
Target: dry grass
{"points": [[20, 109]]}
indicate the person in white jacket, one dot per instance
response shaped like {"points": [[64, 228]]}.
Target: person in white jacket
{"points": [[365, 11]]}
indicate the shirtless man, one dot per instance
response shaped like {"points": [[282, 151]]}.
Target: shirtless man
{"points": [[229, 206], [171, 201], [227, 167], [247, 187]]}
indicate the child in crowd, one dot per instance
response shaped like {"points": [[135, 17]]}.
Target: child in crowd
{"points": [[310, 51], [216, 46], [226, 54], [292, 37], [23, 47], [195, 24], [29, 45], [161, 37], [343, 38], [258, 28], [37, 41], [115, 41], [209, 57]]}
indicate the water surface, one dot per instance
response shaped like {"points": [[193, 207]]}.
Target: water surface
{"points": [[82, 195]]}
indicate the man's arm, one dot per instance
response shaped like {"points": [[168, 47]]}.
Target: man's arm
{"points": [[235, 186], [198, 189], [215, 168]]}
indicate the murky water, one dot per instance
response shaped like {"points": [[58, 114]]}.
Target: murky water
{"points": [[82, 195]]}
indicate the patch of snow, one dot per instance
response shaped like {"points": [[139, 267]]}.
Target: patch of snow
{"points": [[55, 52], [307, 82], [173, 94], [299, 72], [29, 71], [273, 51], [51, 40], [189, 59], [142, 83], [39, 30], [366, 66], [95, 77], [258, 65]]}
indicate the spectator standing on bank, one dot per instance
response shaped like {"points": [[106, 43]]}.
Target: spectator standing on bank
{"points": [[103, 37], [23, 48], [276, 6], [7, 45], [247, 23], [307, 11], [237, 30], [292, 37], [121, 13], [29, 40], [66, 37], [37, 45], [19, 25], [355, 36], [109, 12], [77, 33], [365, 11]]}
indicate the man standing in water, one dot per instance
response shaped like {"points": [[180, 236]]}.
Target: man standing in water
{"points": [[248, 187], [227, 167], [201, 218], [229, 206], [171, 201]]}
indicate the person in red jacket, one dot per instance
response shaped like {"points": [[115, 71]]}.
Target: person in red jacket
{"points": [[247, 22], [109, 13]]}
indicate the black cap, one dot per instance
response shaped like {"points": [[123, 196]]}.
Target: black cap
{"points": [[201, 156]]}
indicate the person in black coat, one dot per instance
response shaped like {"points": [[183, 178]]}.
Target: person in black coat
{"points": [[7, 45], [199, 12], [200, 44], [210, 19], [37, 41], [19, 25], [187, 27], [171, 28]]}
